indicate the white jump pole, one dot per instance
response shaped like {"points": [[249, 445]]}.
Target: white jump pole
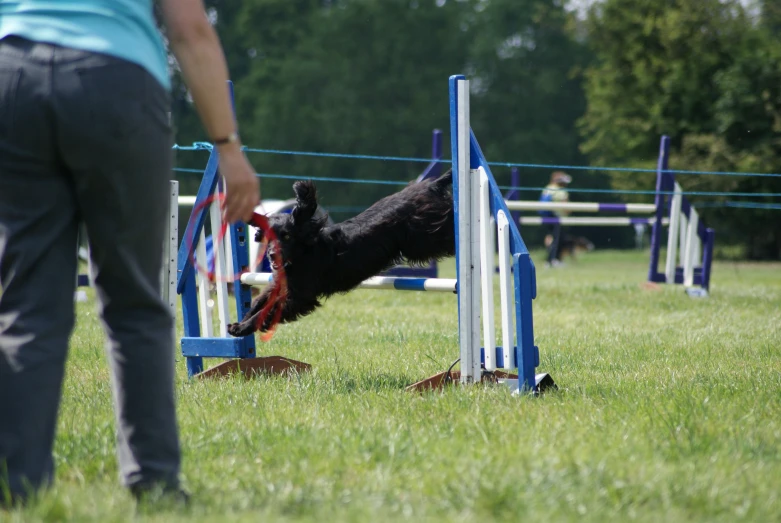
{"points": [[187, 200], [487, 272], [170, 250], [672, 233], [259, 279], [228, 253], [506, 291], [469, 257], [203, 284], [689, 253], [631, 208], [218, 250], [683, 230], [606, 221]]}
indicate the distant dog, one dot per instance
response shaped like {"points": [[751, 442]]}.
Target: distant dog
{"points": [[570, 245], [415, 225]]}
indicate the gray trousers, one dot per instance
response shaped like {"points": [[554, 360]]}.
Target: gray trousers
{"points": [[84, 137]]}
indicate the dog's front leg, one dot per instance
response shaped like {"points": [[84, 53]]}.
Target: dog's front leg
{"points": [[248, 324]]}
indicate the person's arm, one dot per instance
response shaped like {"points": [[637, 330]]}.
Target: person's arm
{"points": [[197, 48]]}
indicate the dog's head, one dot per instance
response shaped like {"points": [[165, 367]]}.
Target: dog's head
{"points": [[297, 231]]}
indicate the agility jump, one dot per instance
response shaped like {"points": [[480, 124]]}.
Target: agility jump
{"points": [[478, 206], [689, 241]]}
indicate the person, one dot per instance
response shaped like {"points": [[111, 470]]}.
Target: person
{"points": [[85, 136], [555, 191]]}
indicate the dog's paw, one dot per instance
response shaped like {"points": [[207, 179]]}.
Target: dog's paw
{"points": [[240, 330], [233, 329]]}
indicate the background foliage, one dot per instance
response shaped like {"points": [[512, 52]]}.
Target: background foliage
{"points": [[550, 87]]}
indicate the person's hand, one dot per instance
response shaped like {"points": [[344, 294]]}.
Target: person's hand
{"points": [[242, 191]]}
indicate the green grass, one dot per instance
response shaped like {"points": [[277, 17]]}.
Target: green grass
{"points": [[669, 409]]}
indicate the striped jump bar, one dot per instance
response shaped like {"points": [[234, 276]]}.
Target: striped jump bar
{"points": [[632, 208], [587, 220], [377, 282]]}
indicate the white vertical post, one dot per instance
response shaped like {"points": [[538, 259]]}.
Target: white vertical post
{"points": [[506, 292], [170, 250], [470, 370], [474, 239], [493, 234], [204, 310], [228, 252], [672, 236], [688, 257], [219, 269], [168, 277], [487, 272], [683, 229], [254, 248]]}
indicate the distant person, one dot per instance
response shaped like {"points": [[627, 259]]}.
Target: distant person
{"points": [[555, 191], [85, 136]]}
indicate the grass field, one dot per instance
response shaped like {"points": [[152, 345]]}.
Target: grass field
{"points": [[669, 409]]}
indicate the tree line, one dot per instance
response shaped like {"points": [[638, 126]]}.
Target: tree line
{"points": [[548, 87]]}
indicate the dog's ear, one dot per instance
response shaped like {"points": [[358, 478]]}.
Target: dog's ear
{"points": [[306, 201]]}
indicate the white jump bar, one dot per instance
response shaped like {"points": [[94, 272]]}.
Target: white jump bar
{"points": [[632, 208], [587, 220], [376, 282]]}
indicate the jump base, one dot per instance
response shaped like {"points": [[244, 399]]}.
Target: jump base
{"points": [[443, 379], [254, 366]]}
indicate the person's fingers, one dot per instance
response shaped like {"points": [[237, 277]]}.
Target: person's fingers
{"points": [[247, 208], [240, 204], [244, 208], [234, 203], [250, 198], [243, 188]]}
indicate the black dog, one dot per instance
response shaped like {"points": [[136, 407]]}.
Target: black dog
{"points": [[573, 245], [414, 225]]}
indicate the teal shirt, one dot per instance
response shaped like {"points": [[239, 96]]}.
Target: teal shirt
{"points": [[121, 28]]}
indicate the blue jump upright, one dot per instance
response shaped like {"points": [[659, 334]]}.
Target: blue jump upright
{"points": [[687, 235], [479, 204], [195, 347]]}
